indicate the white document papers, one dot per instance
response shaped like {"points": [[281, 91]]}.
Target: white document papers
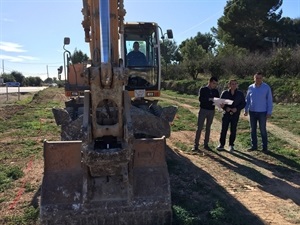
{"points": [[219, 101]]}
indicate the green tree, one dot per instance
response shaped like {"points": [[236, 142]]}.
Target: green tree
{"points": [[78, 56], [229, 50], [290, 32], [168, 51], [207, 41], [246, 23], [33, 81], [8, 77], [193, 56], [18, 77], [48, 80], [178, 56], [281, 62]]}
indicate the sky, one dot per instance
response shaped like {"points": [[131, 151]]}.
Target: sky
{"points": [[32, 31]]}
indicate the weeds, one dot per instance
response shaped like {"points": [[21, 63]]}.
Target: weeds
{"points": [[8, 174], [30, 216], [287, 116], [182, 146], [23, 129], [217, 213], [185, 120], [183, 216]]}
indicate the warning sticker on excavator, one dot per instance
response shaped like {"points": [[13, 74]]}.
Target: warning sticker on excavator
{"points": [[139, 93]]}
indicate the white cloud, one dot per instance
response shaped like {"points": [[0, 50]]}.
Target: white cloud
{"points": [[31, 58], [19, 58], [14, 48], [11, 47], [11, 58]]}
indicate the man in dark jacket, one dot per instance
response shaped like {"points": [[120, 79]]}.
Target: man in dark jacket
{"points": [[136, 57], [231, 114], [206, 112]]}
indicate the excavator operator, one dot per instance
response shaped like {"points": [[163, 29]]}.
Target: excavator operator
{"points": [[136, 57]]}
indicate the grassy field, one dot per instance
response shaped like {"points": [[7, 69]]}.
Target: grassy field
{"points": [[284, 156], [26, 123], [286, 116]]}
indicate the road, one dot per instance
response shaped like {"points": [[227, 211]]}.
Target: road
{"points": [[4, 90]]}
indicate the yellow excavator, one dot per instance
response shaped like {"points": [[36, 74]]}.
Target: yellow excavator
{"points": [[110, 167]]}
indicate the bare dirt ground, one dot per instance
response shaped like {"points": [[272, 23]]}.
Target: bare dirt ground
{"points": [[251, 179], [260, 184]]}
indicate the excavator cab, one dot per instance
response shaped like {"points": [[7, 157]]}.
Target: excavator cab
{"points": [[144, 79]]}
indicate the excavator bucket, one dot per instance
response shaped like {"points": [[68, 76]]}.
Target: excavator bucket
{"points": [[151, 184], [67, 199], [62, 182], [151, 176]]}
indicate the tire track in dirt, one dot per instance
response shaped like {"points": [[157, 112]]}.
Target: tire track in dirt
{"points": [[251, 178]]}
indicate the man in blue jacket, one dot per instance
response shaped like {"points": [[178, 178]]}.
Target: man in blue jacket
{"points": [[231, 114], [259, 106]]}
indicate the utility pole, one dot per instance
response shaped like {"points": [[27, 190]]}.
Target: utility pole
{"points": [[47, 72], [2, 66]]}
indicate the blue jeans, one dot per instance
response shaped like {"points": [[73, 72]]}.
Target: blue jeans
{"points": [[261, 118]]}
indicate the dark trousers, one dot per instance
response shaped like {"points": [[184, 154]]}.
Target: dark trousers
{"points": [[227, 120]]}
